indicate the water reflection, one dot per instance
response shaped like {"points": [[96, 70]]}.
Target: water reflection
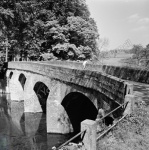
{"points": [[24, 131]]}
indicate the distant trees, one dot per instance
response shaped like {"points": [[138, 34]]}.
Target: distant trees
{"points": [[141, 55], [137, 50], [61, 28], [146, 55]]}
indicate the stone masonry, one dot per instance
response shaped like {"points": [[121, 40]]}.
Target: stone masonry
{"points": [[99, 87]]}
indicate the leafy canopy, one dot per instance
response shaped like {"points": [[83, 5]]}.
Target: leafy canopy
{"points": [[62, 28]]}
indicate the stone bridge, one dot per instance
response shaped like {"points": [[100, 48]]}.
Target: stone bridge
{"points": [[65, 92]]}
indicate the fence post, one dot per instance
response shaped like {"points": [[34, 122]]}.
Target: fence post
{"points": [[90, 137], [130, 106], [129, 88]]}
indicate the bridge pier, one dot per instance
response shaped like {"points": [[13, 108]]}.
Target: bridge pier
{"points": [[31, 102], [15, 88], [7, 81], [57, 118]]}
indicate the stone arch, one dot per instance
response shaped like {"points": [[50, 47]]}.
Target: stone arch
{"points": [[79, 107], [34, 93], [15, 88], [10, 75], [22, 80], [42, 92]]}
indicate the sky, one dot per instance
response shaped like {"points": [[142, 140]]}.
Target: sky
{"points": [[123, 22]]}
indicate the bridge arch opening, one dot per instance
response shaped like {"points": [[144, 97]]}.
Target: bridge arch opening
{"points": [[79, 107], [42, 92], [10, 75], [22, 80]]}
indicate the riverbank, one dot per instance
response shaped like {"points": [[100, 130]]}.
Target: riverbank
{"points": [[132, 133]]}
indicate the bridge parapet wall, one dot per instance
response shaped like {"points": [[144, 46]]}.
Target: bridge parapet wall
{"points": [[127, 73], [75, 65], [108, 85]]}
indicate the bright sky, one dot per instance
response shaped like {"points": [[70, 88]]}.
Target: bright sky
{"points": [[123, 22]]}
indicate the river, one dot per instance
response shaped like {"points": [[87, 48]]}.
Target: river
{"points": [[24, 131]]}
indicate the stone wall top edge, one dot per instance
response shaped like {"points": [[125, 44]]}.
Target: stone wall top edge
{"points": [[29, 66], [60, 73]]}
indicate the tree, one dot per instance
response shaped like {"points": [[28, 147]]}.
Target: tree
{"points": [[76, 31], [62, 28], [145, 54], [137, 51], [6, 28]]}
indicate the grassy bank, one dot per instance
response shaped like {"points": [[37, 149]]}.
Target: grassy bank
{"points": [[132, 133]]}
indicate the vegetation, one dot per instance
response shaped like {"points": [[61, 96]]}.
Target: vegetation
{"points": [[139, 57], [132, 133], [57, 29]]}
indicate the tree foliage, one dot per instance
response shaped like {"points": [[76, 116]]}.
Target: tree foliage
{"points": [[141, 55], [62, 28]]}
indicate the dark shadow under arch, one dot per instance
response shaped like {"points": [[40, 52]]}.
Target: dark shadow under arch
{"points": [[79, 107], [118, 113], [42, 92], [10, 75], [22, 80]]}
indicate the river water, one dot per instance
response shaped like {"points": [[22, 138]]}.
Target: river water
{"points": [[24, 131]]}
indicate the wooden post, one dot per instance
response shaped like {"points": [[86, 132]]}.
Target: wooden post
{"points": [[130, 106], [90, 137]]}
